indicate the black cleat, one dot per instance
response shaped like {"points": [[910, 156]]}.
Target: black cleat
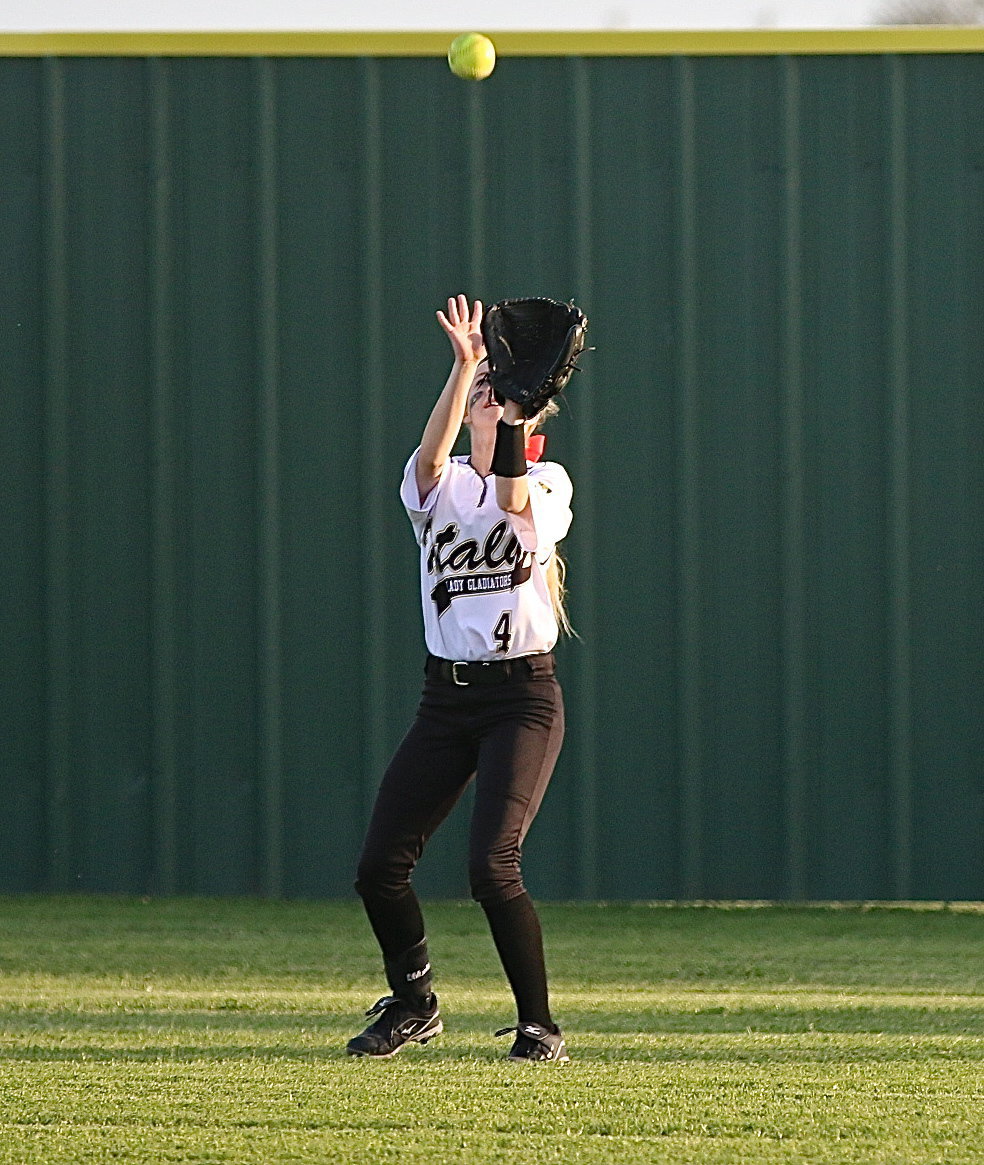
{"points": [[398, 1024], [534, 1042]]}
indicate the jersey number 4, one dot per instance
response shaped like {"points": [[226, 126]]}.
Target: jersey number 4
{"points": [[503, 632]]}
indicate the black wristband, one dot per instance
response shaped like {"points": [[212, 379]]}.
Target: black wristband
{"points": [[509, 457]]}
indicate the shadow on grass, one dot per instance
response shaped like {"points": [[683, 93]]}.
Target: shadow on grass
{"points": [[846, 1020], [581, 1052], [713, 1035]]}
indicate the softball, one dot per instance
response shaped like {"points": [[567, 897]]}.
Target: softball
{"points": [[471, 56]]}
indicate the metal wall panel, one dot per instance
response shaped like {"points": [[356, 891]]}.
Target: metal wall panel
{"points": [[218, 351]]}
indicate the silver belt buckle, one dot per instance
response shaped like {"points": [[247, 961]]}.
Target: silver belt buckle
{"points": [[454, 673]]}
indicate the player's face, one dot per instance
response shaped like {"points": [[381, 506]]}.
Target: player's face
{"points": [[483, 412]]}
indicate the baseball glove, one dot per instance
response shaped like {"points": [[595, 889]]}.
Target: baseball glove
{"points": [[532, 347]]}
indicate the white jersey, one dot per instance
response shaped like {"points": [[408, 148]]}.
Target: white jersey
{"points": [[483, 584]]}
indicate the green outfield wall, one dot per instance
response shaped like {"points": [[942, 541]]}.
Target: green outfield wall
{"points": [[221, 261]]}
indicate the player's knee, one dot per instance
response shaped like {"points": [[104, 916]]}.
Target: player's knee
{"points": [[495, 879], [379, 877]]}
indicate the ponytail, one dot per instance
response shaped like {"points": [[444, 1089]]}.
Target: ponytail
{"points": [[556, 574], [556, 571]]}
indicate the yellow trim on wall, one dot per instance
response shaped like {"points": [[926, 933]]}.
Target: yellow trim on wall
{"points": [[508, 44]]}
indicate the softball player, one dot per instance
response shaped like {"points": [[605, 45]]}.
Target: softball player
{"points": [[487, 525]]}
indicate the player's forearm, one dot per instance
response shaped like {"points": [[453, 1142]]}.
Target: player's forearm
{"points": [[444, 425], [512, 492]]}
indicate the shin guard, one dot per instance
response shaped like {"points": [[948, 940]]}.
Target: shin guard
{"points": [[409, 975]]}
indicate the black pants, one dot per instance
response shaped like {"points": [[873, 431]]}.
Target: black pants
{"points": [[506, 736]]}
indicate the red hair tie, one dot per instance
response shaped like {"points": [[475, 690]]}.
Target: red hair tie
{"points": [[534, 446]]}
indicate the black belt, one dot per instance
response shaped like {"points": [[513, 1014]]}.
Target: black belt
{"points": [[493, 671]]}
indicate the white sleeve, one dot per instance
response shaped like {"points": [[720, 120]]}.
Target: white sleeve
{"points": [[419, 510], [549, 515]]}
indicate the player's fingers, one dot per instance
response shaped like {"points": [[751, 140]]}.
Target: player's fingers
{"points": [[453, 311], [476, 318], [463, 308], [443, 320]]}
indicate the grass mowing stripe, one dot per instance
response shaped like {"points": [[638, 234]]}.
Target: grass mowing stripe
{"points": [[199, 1031]]}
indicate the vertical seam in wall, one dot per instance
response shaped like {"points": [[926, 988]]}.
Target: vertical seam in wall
{"points": [[688, 594], [793, 559], [268, 482], [476, 182], [900, 695], [163, 485], [60, 709], [587, 518], [373, 460]]}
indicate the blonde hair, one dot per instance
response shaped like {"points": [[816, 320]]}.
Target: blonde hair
{"points": [[556, 572]]}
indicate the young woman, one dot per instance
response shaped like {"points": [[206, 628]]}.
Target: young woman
{"points": [[487, 525]]}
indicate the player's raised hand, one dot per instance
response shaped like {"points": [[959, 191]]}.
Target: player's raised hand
{"points": [[464, 329]]}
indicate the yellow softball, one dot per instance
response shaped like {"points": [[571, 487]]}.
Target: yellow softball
{"points": [[471, 56]]}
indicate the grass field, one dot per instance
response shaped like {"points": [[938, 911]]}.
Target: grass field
{"points": [[214, 1031]]}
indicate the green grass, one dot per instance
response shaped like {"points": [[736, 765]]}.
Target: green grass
{"points": [[214, 1031]]}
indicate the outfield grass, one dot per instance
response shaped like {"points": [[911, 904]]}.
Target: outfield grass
{"points": [[205, 1031]]}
